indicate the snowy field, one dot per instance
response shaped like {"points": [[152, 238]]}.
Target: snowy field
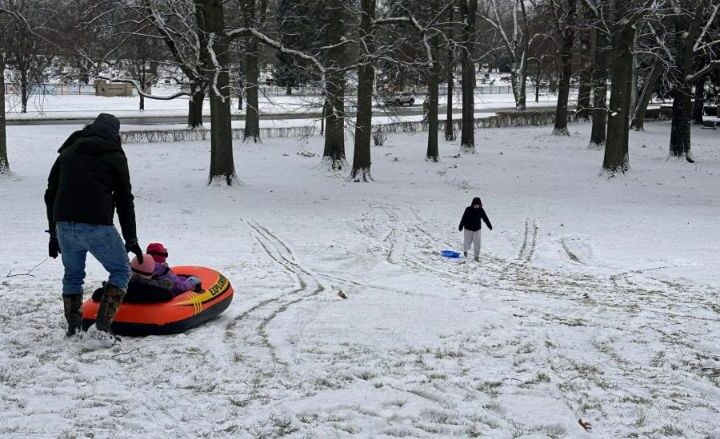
{"points": [[40, 107], [594, 299]]}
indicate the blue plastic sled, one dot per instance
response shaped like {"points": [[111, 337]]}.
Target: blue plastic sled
{"points": [[450, 253]]}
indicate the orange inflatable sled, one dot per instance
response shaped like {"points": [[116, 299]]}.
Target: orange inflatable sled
{"points": [[177, 314]]}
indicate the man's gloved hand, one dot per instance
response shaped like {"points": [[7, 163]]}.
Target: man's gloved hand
{"points": [[198, 288], [134, 248], [53, 247]]}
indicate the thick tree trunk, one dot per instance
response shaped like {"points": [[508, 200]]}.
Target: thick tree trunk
{"points": [[363, 125], [568, 40], [449, 131], [699, 101], [618, 127], [680, 129], [195, 110], [24, 95], [599, 90], [433, 153], [682, 93], [222, 165], [4, 163], [252, 114], [586, 75], [142, 103], [518, 81], [334, 151], [467, 136], [638, 118]]}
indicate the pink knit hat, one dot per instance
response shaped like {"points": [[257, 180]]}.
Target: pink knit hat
{"points": [[145, 269]]}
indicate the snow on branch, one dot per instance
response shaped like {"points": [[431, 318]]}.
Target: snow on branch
{"points": [[216, 63]]}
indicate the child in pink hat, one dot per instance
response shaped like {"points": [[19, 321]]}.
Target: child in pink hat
{"points": [[161, 271]]}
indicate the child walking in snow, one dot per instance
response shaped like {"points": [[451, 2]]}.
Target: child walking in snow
{"points": [[159, 273], [472, 222]]}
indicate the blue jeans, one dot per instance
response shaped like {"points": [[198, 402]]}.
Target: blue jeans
{"points": [[103, 242]]}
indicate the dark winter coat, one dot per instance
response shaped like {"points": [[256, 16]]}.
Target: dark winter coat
{"points": [[90, 178], [472, 219]]}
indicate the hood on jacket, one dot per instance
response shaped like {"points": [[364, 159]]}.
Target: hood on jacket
{"points": [[100, 137], [475, 201]]}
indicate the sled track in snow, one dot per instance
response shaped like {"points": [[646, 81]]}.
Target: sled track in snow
{"points": [[251, 327]]}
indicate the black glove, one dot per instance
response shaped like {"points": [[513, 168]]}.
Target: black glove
{"points": [[198, 288], [460, 229], [133, 247], [53, 247]]}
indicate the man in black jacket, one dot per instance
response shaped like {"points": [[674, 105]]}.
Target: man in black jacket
{"points": [[89, 179], [471, 221]]}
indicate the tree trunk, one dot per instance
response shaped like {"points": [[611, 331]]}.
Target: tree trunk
{"points": [[586, 73], [638, 118], [4, 163], [363, 125], [518, 81], [195, 110], [680, 129], [618, 127], [23, 91], [467, 136], [433, 153], [568, 40], [699, 101], [222, 165], [334, 151], [142, 103], [288, 90], [252, 114], [599, 90], [449, 131], [682, 93]]}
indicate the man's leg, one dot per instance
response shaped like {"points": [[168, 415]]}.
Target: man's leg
{"points": [[106, 245], [73, 258]]}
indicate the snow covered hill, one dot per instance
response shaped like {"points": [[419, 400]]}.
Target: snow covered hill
{"points": [[594, 300]]}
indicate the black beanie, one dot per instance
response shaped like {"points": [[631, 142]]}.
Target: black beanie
{"points": [[108, 119]]}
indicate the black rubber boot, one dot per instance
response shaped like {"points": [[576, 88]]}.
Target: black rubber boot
{"points": [[111, 300], [73, 314]]}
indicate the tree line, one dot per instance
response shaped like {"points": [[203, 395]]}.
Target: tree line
{"points": [[631, 49]]}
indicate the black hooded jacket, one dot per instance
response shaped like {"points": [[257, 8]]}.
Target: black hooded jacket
{"points": [[90, 178], [472, 218]]}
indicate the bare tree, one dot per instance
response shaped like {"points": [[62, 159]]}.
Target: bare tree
{"points": [[468, 10], [692, 29], [4, 162], [624, 17], [516, 42], [601, 54], [254, 13], [366, 75], [565, 20]]}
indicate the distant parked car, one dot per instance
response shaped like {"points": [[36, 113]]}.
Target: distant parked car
{"points": [[400, 99]]}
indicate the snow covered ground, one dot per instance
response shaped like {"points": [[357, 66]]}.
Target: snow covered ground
{"points": [[594, 300]]}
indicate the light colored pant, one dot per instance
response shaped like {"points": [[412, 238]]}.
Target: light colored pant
{"points": [[103, 242], [472, 238]]}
